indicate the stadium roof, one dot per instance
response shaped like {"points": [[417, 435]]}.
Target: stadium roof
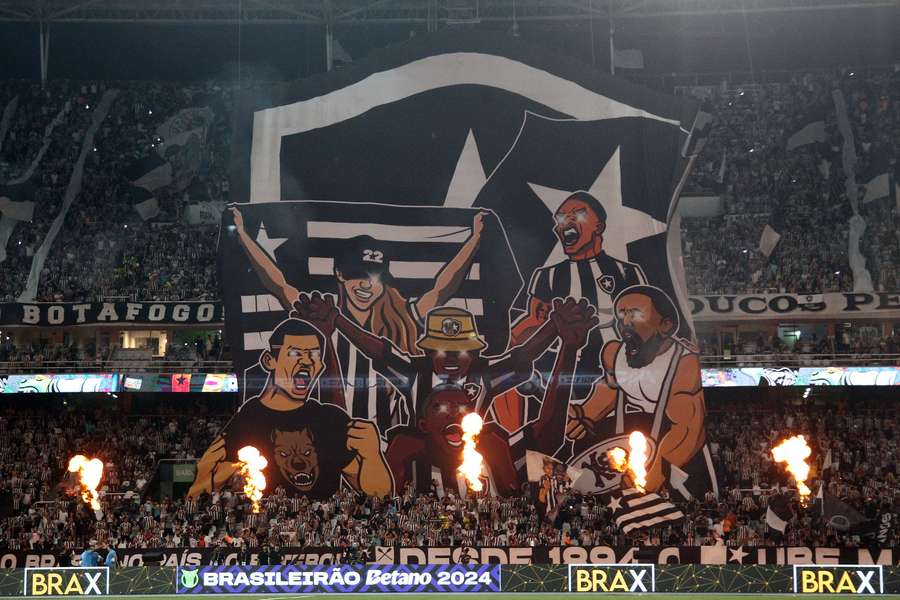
{"points": [[395, 11]]}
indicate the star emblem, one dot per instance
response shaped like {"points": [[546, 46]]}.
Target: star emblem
{"points": [[737, 554], [623, 224], [269, 245], [615, 503], [468, 176]]}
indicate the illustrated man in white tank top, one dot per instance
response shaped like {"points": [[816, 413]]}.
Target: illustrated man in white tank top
{"points": [[652, 384]]}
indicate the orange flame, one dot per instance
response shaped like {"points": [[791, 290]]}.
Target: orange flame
{"points": [[793, 452], [618, 459], [90, 471], [472, 459], [637, 459], [251, 463], [633, 461]]}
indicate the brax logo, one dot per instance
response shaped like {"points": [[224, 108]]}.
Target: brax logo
{"points": [[612, 578], [73, 581], [838, 579]]}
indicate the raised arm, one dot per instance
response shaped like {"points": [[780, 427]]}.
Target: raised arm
{"points": [[331, 385], [212, 469], [453, 273], [271, 277], [548, 430]]}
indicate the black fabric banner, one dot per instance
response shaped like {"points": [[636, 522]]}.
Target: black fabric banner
{"points": [[67, 314], [438, 201]]}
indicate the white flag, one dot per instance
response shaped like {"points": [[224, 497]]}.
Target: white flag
{"points": [[148, 208], [339, 53], [877, 187], [812, 132], [768, 240], [17, 211]]}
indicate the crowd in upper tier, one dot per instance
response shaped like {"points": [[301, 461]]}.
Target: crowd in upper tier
{"points": [[801, 193], [854, 453], [105, 248]]}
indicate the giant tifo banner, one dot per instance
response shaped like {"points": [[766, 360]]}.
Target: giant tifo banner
{"points": [[748, 307], [67, 314], [461, 225]]}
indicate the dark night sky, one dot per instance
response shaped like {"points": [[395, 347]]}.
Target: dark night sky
{"points": [[720, 43]]}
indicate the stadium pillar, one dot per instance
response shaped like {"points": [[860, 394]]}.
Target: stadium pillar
{"points": [[612, 41], [329, 48], [329, 36], [44, 42]]}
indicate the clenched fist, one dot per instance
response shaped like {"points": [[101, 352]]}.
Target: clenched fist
{"points": [[362, 438], [573, 320], [318, 310]]}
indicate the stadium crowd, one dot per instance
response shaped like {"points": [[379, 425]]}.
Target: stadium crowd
{"points": [[855, 454], [106, 249], [834, 348], [799, 192]]}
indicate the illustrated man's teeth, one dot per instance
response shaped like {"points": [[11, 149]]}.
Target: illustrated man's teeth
{"points": [[453, 435], [451, 368], [570, 235], [363, 294], [301, 379]]}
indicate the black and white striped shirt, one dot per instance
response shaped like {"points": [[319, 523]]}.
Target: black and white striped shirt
{"points": [[598, 280], [367, 393]]}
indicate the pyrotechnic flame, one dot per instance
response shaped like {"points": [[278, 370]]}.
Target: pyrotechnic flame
{"points": [[90, 471], [472, 459], [793, 452], [618, 459], [251, 464], [634, 460], [637, 459]]}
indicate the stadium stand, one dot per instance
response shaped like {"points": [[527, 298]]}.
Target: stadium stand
{"points": [[105, 249], [800, 192], [859, 437]]}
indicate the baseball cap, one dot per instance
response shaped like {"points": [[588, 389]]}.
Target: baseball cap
{"points": [[363, 256]]}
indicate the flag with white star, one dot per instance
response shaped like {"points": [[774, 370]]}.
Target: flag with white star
{"points": [[406, 145], [629, 164]]}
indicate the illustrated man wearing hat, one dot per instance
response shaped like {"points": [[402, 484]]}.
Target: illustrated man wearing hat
{"points": [[453, 379], [452, 349]]}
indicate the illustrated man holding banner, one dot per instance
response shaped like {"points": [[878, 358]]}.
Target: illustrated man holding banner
{"points": [[651, 384]]}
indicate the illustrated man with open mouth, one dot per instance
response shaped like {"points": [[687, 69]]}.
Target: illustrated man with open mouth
{"points": [[310, 445], [587, 272]]}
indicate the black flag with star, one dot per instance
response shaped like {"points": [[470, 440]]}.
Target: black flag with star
{"points": [[629, 164], [405, 148]]}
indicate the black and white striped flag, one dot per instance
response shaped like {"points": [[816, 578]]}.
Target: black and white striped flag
{"points": [[634, 510], [304, 238]]}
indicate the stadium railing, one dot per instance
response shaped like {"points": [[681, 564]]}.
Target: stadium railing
{"points": [[799, 360], [117, 365], [226, 366]]}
